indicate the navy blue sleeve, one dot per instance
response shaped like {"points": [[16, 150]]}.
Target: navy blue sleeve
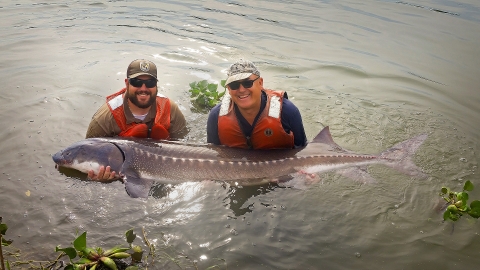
{"points": [[212, 125], [292, 121]]}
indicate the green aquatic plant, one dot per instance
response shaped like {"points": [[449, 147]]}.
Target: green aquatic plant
{"points": [[5, 264], [137, 251], [122, 258], [94, 258], [204, 95], [457, 203], [3, 242]]}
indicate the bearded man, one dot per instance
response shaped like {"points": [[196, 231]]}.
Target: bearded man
{"points": [[138, 110]]}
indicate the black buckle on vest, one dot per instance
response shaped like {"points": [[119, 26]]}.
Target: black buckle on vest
{"points": [[149, 131]]}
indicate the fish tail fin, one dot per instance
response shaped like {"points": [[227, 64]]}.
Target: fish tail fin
{"points": [[399, 156]]}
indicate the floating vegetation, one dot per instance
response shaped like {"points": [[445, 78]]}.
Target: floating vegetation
{"points": [[204, 95], [82, 257], [457, 203]]}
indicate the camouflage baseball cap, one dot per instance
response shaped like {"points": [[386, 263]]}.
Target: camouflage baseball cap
{"points": [[240, 70], [141, 67]]}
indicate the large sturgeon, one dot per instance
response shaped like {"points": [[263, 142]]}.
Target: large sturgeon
{"points": [[141, 163]]}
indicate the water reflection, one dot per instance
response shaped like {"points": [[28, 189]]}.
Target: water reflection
{"points": [[159, 191], [235, 199], [238, 196]]}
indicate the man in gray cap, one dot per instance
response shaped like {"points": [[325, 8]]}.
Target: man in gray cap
{"points": [[251, 116], [138, 110]]}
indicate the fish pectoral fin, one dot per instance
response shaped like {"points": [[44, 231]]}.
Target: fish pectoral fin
{"points": [[358, 174], [137, 187]]}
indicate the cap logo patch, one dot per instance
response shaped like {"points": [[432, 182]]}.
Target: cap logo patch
{"points": [[144, 66]]}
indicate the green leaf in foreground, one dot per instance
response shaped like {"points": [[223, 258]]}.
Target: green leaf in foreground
{"points": [[130, 235], [3, 228], [468, 186], [81, 242], [475, 209], [70, 251]]}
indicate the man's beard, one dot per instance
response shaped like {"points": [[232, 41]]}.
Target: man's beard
{"points": [[133, 98]]}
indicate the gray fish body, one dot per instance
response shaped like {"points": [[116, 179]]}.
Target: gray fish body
{"points": [[140, 163]]}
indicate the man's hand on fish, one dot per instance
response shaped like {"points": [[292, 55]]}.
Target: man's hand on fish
{"points": [[104, 174]]}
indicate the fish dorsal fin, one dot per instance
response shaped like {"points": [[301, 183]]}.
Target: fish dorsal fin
{"points": [[325, 137], [322, 143]]}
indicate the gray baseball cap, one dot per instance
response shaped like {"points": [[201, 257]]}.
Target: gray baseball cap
{"points": [[240, 70], [141, 67]]}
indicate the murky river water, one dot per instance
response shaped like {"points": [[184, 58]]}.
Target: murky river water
{"points": [[376, 72]]}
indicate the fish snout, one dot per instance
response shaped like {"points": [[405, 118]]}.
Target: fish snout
{"points": [[59, 159]]}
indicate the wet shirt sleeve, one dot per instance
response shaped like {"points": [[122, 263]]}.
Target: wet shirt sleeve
{"points": [[292, 121], [102, 124], [178, 124], [212, 125]]}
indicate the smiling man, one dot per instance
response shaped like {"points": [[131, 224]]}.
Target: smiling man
{"points": [[138, 110], [251, 116]]}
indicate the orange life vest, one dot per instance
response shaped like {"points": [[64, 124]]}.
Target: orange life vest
{"points": [[158, 130], [268, 132]]}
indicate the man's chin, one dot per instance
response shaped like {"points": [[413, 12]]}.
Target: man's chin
{"points": [[143, 105]]}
